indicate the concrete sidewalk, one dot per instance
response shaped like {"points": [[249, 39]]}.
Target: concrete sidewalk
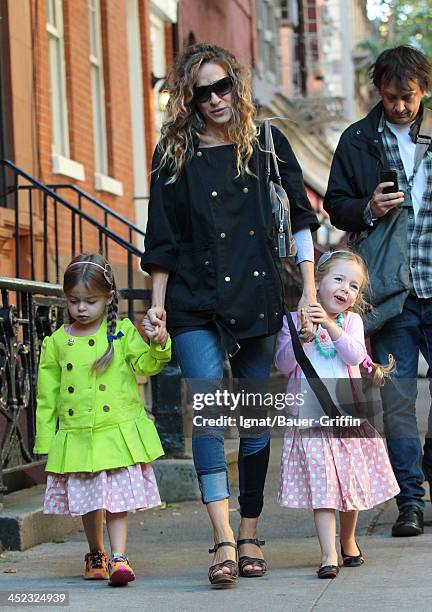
{"points": [[168, 550]]}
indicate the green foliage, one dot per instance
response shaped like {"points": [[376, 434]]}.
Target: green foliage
{"points": [[408, 23], [402, 23]]}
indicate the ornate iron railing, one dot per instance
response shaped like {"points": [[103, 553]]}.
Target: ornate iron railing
{"points": [[28, 312]]}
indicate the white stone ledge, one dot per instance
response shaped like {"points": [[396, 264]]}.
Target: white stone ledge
{"points": [[108, 184], [67, 167]]}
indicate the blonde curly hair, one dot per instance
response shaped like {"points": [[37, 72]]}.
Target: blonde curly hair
{"points": [[183, 122]]}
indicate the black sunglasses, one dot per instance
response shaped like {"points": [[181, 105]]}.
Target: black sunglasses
{"points": [[220, 88]]}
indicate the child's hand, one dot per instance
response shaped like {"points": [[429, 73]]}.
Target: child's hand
{"points": [[155, 333], [160, 337], [317, 314]]}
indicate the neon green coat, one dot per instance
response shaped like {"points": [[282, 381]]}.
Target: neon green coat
{"points": [[101, 420]]}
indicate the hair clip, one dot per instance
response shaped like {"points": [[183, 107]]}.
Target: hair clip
{"points": [[367, 364], [326, 256], [108, 274], [116, 337]]}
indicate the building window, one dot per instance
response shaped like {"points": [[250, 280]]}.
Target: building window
{"points": [[98, 90], [268, 38], [289, 13], [60, 131]]}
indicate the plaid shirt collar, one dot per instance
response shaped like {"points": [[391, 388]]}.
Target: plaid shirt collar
{"points": [[415, 125]]}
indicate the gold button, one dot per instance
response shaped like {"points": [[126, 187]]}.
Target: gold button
{"points": [[251, 233], [199, 153], [102, 387], [245, 190], [70, 412], [232, 321], [261, 315], [71, 389], [223, 235], [263, 273], [91, 342], [206, 263], [106, 408], [69, 366], [256, 273], [214, 193], [227, 279]]}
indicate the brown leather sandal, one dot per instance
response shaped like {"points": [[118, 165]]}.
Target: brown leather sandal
{"points": [[245, 560], [223, 580]]}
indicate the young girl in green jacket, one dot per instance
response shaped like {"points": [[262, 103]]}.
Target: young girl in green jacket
{"points": [[90, 419]]}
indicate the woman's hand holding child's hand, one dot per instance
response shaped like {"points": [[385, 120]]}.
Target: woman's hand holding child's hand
{"points": [[307, 328], [155, 333]]}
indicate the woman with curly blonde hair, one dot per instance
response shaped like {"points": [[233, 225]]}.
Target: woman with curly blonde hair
{"points": [[216, 284]]}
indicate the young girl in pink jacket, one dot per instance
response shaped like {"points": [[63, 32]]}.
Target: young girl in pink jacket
{"points": [[324, 466]]}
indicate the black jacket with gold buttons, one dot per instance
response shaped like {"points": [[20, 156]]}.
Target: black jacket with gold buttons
{"points": [[212, 231]]}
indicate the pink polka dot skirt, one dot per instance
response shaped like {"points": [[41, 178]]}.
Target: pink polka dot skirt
{"points": [[322, 469], [129, 488]]}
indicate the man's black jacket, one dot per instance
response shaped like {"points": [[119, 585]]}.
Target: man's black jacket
{"points": [[355, 172]]}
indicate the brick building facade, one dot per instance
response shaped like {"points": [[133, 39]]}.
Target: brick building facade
{"points": [[81, 106]]}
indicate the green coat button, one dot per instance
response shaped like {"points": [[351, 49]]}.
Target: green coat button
{"points": [[71, 389], [102, 387], [106, 408], [69, 366], [70, 412], [91, 342]]}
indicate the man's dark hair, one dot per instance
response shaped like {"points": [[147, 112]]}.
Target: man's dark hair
{"points": [[401, 65]]}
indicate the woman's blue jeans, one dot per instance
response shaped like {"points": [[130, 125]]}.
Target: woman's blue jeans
{"points": [[201, 357]]}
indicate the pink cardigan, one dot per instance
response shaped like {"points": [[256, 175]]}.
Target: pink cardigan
{"points": [[350, 348]]}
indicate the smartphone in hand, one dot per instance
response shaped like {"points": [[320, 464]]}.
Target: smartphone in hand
{"points": [[389, 176]]}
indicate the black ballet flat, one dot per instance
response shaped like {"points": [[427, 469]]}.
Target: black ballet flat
{"points": [[328, 571], [352, 560]]}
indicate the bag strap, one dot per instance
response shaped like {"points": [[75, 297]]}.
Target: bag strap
{"points": [[424, 138], [317, 385], [270, 153]]}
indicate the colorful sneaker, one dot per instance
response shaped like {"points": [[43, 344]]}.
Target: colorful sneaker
{"points": [[120, 572], [96, 566]]}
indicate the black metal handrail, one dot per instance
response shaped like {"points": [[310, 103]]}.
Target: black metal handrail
{"points": [[108, 213], [56, 290], [78, 218]]}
